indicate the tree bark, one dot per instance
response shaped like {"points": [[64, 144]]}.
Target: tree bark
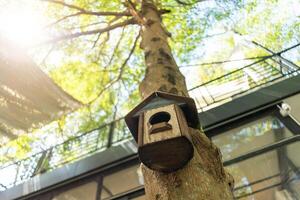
{"points": [[162, 72], [204, 176]]}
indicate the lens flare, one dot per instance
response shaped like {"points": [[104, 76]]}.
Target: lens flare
{"points": [[22, 23]]}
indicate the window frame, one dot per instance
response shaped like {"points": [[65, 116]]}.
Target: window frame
{"points": [[253, 115], [280, 145]]}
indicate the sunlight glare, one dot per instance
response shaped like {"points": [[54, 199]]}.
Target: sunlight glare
{"points": [[22, 23]]}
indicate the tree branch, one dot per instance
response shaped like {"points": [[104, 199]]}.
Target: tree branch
{"points": [[101, 30], [134, 12], [188, 4], [46, 56], [85, 26], [87, 12], [96, 41], [115, 49], [120, 72], [110, 22], [129, 55], [101, 44], [62, 19]]}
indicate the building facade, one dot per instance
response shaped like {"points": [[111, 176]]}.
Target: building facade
{"points": [[257, 131]]}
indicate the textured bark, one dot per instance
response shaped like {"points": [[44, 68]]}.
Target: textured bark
{"points": [[162, 72], [204, 176]]}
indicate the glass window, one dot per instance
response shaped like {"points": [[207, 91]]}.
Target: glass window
{"points": [[86, 191], [250, 136], [292, 154], [293, 151], [295, 185], [295, 106], [268, 176], [120, 182]]}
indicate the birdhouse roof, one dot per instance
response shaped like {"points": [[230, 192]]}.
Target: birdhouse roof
{"points": [[160, 99]]}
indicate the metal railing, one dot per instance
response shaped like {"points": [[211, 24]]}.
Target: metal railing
{"points": [[261, 72], [72, 150]]}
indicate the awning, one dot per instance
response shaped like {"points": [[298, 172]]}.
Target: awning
{"points": [[28, 97]]}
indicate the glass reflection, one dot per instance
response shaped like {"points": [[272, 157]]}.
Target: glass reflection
{"points": [[272, 176], [87, 192], [120, 182], [250, 136]]}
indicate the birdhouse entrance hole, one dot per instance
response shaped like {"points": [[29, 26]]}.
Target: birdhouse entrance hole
{"points": [[160, 117], [159, 122]]}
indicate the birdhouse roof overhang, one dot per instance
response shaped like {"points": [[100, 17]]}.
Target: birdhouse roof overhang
{"points": [[160, 99]]}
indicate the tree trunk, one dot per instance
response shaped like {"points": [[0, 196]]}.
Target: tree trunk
{"points": [[204, 176]]}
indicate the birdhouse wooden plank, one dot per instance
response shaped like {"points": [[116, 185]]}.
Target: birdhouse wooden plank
{"points": [[160, 125]]}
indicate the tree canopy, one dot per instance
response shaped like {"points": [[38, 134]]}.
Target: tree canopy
{"points": [[90, 48]]}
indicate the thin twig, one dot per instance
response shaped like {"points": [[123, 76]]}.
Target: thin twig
{"points": [[96, 41], [224, 61], [120, 72], [85, 25], [47, 55], [87, 12], [187, 4], [62, 19], [91, 32], [101, 44], [110, 22], [116, 48]]}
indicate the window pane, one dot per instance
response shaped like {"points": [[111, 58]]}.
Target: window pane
{"points": [[250, 136], [121, 181], [267, 176], [293, 151], [295, 105], [295, 185], [86, 192], [292, 154]]}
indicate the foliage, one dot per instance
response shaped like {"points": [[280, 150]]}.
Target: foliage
{"points": [[98, 68]]}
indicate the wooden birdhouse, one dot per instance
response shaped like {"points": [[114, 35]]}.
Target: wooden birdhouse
{"points": [[160, 127]]}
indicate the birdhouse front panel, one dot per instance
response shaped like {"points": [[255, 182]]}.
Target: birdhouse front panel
{"points": [[160, 125], [163, 123]]}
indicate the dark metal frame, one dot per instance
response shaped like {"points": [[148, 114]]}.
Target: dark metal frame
{"points": [[262, 150], [279, 184], [280, 146], [268, 69], [78, 147], [136, 192], [116, 131], [287, 121], [36, 163], [126, 162], [53, 193], [97, 175]]}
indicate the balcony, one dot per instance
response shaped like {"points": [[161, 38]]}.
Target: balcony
{"points": [[262, 72]]}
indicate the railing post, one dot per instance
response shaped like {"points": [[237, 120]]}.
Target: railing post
{"points": [[111, 133], [41, 165], [281, 64], [289, 62]]}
